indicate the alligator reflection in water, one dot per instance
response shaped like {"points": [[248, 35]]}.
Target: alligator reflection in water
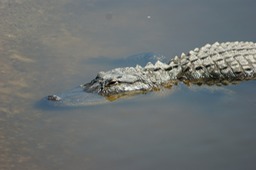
{"points": [[216, 64]]}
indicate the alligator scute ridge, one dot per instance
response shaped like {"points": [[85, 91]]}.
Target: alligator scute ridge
{"points": [[213, 64]]}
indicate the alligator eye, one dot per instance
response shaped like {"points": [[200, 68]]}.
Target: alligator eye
{"points": [[112, 83]]}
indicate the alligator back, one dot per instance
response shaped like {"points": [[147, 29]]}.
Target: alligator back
{"points": [[219, 63]]}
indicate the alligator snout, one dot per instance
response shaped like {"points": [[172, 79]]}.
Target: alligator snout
{"points": [[53, 97]]}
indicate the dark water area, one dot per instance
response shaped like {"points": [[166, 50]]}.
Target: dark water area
{"points": [[49, 47]]}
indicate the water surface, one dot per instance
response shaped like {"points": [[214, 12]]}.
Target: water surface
{"points": [[50, 46]]}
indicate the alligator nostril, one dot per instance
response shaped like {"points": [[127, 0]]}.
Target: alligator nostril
{"points": [[54, 98]]}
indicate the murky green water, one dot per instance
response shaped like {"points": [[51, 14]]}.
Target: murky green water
{"points": [[48, 47]]}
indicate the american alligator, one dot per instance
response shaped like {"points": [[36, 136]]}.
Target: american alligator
{"points": [[213, 64]]}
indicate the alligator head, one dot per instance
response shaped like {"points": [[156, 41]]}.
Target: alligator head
{"points": [[110, 85], [119, 82]]}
